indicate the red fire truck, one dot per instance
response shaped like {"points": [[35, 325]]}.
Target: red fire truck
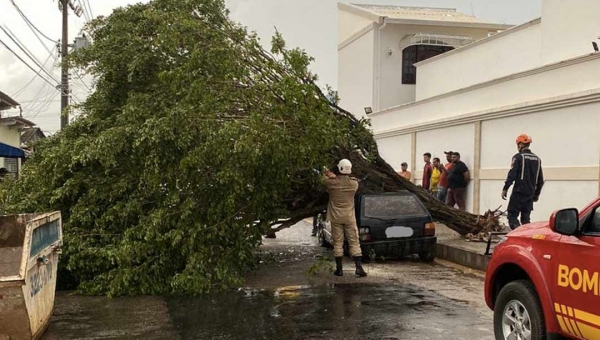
{"points": [[543, 279]]}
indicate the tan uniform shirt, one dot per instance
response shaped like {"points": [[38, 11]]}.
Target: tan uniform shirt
{"points": [[341, 199]]}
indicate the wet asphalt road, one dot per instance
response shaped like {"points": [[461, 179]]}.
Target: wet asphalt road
{"points": [[399, 300]]}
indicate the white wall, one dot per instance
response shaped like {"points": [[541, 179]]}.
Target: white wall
{"points": [[567, 139], [568, 28], [10, 136], [555, 195], [564, 138], [389, 89], [349, 23], [499, 56], [560, 80], [561, 137], [396, 150], [355, 76]]}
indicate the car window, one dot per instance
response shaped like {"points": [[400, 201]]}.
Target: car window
{"points": [[593, 223], [392, 206]]}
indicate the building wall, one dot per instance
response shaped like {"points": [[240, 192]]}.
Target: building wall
{"points": [[389, 90], [566, 137], [349, 24], [540, 79], [568, 28], [547, 82], [568, 142], [396, 150], [11, 137], [513, 51], [355, 76]]}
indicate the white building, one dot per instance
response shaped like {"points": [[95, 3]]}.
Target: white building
{"points": [[10, 135], [540, 78]]}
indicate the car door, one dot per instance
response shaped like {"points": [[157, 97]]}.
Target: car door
{"points": [[576, 286]]}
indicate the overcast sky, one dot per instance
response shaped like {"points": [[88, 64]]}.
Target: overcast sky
{"points": [[309, 24]]}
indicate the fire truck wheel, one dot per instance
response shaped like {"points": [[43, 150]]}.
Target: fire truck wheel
{"points": [[518, 313]]}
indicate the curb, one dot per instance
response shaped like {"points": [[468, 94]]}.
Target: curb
{"points": [[461, 256]]}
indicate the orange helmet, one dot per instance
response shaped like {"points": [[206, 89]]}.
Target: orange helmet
{"points": [[525, 139]]}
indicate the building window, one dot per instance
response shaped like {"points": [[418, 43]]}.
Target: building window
{"points": [[416, 53], [12, 165]]}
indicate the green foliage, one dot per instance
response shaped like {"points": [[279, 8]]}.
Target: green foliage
{"points": [[193, 143], [322, 264]]}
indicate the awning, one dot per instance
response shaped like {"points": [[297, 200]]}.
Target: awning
{"points": [[8, 151]]}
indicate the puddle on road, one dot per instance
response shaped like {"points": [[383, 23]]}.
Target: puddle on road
{"points": [[334, 311], [305, 312]]}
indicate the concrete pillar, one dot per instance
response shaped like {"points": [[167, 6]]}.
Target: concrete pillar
{"points": [[477, 169], [413, 155]]}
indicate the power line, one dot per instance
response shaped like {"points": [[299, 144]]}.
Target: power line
{"points": [[45, 107], [29, 22], [23, 49], [41, 96], [38, 38], [24, 62], [36, 100], [81, 83], [55, 86], [89, 5], [35, 61], [81, 80], [34, 77], [86, 12]]}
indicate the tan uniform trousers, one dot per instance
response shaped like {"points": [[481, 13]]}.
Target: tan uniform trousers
{"points": [[351, 231]]}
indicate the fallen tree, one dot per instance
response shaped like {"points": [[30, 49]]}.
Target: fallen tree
{"points": [[195, 143]]}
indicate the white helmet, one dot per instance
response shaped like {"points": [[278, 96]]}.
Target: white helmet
{"points": [[345, 167]]}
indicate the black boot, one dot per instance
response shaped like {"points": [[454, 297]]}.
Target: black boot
{"points": [[338, 267], [359, 269]]}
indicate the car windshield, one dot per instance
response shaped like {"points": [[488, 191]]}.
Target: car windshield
{"points": [[392, 206]]}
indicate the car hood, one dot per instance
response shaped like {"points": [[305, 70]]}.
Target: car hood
{"points": [[530, 229]]}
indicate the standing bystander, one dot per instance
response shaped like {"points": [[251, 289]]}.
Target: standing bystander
{"points": [[458, 179], [404, 171], [427, 170], [436, 173], [443, 184]]}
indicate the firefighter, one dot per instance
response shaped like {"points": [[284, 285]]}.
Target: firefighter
{"points": [[527, 175], [340, 212]]}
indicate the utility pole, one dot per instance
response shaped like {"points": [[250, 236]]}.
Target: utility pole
{"points": [[64, 87]]}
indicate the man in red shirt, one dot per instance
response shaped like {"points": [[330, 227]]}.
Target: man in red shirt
{"points": [[443, 184], [427, 170]]}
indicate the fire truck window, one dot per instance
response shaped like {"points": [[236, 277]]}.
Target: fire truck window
{"points": [[593, 225], [596, 222]]}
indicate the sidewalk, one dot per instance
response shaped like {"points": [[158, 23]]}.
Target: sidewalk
{"points": [[452, 247]]}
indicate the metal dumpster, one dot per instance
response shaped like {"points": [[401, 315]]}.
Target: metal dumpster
{"points": [[29, 249]]}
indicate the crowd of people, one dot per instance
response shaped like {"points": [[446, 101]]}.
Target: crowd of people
{"points": [[448, 182]]}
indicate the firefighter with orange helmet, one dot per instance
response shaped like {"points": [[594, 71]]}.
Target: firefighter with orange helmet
{"points": [[528, 178]]}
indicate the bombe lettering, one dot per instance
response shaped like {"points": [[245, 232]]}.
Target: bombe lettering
{"points": [[578, 279]]}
